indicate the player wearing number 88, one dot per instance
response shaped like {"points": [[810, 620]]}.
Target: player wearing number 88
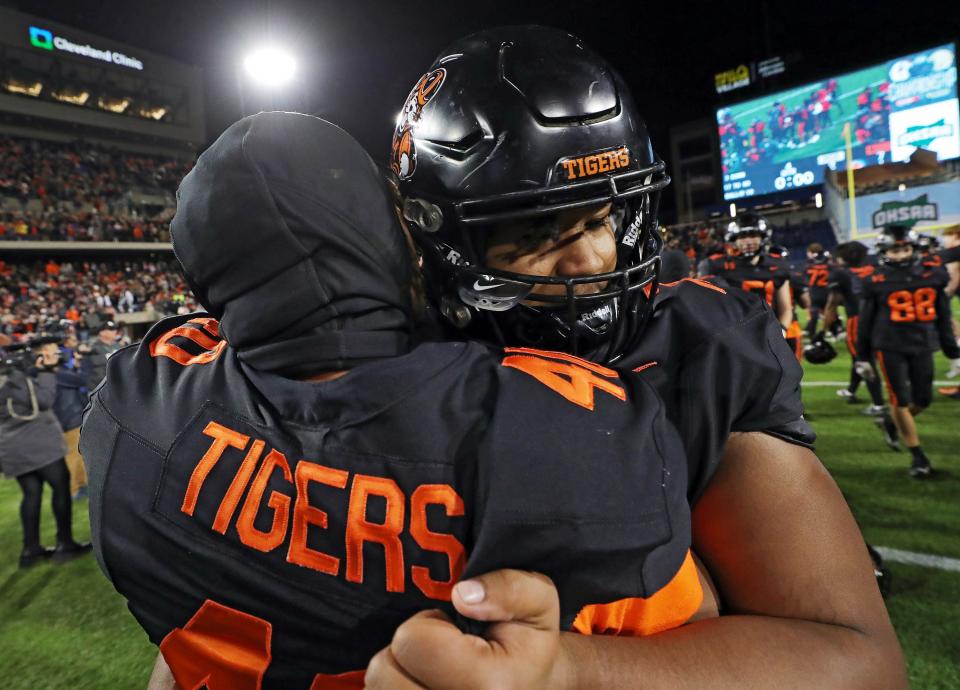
{"points": [[904, 319]]}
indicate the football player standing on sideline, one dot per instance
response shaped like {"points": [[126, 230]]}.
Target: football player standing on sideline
{"points": [[846, 288], [750, 267], [817, 273], [531, 188], [904, 319]]}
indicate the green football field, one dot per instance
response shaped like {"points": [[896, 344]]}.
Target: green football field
{"points": [[63, 626], [844, 110]]}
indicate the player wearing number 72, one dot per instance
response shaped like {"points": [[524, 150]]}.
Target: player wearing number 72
{"points": [[904, 319]]}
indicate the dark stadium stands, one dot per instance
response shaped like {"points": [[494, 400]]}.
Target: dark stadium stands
{"points": [[80, 191]]}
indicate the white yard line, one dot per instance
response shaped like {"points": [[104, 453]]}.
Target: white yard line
{"points": [[924, 559], [822, 384]]}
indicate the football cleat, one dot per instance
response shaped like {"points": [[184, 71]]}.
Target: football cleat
{"points": [[950, 392], [875, 410], [889, 429], [851, 398], [921, 468]]}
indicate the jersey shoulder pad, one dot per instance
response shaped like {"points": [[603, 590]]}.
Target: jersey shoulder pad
{"points": [[699, 307], [153, 387]]}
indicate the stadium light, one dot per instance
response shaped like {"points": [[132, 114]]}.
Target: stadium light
{"points": [[733, 210], [818, 200], [270, 67]]}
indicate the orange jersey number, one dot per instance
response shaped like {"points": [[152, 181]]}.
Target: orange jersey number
{"points": [[221, 648], [572, 377], [766, 286], [207, 337], [817, 276], [907, 307]]}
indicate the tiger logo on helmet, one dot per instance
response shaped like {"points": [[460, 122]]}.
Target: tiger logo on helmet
{"points": [[403, 159]]}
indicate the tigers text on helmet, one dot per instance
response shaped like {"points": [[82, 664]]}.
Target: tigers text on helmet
{"points": [[893, 237], [516, 125], [749, 224]]}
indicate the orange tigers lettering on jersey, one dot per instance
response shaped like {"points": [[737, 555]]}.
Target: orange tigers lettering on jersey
{"points": [[293, 515]]}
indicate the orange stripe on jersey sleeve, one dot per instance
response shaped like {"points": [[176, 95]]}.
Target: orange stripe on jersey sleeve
{"points": [[669, 608], [697, 281]]}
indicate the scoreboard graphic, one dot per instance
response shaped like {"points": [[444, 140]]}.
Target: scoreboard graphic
{"points": [[784, 140]]}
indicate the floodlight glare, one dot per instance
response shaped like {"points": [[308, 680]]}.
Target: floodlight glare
{"points": [[270, 66]]}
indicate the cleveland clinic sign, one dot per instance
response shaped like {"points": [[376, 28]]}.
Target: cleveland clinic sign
{"points": [[44, 39]]}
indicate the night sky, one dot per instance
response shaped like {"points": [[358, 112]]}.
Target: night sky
{"points": [[359, 58]]}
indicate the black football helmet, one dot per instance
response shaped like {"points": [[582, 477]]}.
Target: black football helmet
{"points": [[897, 236], [778, 251], [749, 224], [820, 351], [518, 124], [927, 243]]}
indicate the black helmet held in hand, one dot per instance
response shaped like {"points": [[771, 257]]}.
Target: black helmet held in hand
{"points": [[819, 351], [516, 125]]}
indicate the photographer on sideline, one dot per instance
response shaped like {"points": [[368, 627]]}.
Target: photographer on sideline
{"points": [[32, 450]]}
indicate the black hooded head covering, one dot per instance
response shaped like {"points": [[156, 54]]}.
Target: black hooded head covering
{"points": [[287, 235]]}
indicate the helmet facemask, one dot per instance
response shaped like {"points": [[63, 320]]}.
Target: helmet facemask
{"points": [[515, 125], [513, 307], [893, 237], [749, 227]]}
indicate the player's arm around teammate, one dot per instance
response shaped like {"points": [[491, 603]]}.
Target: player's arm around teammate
{"points": [[836, 634]]}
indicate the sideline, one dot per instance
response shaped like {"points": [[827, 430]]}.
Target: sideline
{"points": [[924, 559]]}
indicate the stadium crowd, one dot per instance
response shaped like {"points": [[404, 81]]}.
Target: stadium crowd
{"points": [[33, 294], [80, 191]]}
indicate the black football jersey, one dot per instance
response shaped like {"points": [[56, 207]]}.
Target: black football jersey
{"points": [[847, 281], [948, 256], [817, 280], [720, 363], [763, 278], [289, 527], [905, 310]]}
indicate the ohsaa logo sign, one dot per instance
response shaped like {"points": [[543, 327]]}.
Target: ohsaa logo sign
{"points": [[907, 213]]}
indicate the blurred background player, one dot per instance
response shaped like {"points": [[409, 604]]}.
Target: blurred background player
{"points": [[749, 266], [816, 273], [846, 288], [904, 319]]}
